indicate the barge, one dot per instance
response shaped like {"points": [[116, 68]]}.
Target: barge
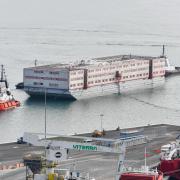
{"points": [[95, 77]]}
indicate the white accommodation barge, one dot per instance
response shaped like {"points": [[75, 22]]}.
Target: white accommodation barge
{"points": [[96, 77]]}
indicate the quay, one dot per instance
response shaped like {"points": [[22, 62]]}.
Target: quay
{"points": [[99, 165]]}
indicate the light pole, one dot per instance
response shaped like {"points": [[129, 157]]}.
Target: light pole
{"points": [[45, 127], [101, 117]]}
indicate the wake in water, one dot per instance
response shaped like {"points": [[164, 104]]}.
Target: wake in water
{"points": [[151, 104], [142, 45]]}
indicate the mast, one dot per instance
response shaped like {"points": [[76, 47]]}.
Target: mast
{"points": [[163, 52], [2, 69], [3, 76], [35, 62], [145, 162]]}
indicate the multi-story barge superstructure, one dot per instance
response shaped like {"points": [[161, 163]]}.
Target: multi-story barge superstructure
{"points": [[96, 77]]}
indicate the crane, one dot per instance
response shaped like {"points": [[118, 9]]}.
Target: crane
{"points": [[56, 148]]}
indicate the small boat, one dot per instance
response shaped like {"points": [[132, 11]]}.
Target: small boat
{"points": [[20, 85], [7, 100]]}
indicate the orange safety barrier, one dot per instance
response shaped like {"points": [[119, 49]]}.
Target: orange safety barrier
{"points": [[11, 166]]}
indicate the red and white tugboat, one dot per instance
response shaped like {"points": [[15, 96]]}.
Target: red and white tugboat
{"points": [[142, 174], [170, 159], [7, 100]]}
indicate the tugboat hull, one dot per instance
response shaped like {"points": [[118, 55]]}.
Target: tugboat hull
{"points": [[170, 168], [9, 105], [141, 176]]}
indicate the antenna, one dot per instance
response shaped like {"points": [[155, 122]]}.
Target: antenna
{"points": [[3, 76], [2, 72], [163, 53], [35, 62]]}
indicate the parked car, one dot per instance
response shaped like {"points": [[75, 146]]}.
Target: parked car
{"points": [[20, 141]]}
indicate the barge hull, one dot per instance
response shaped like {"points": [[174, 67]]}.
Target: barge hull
{"points": [[104, 90]]}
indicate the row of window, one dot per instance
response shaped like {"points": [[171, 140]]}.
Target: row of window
{"points": [[50, 84], [115, 67], [99, 81], [134, 70], [159, 66], [78, 78], [105, 69], [76, 72], [159, 61], [144, 74], [78, 84], [137, 75], [159, 72], [45, 78], [53, 85], [113, 79], [73, 73], [132, 76], [38, 71], [54, 72], [113, 73], [139, 64], [132, 65], [125, 66], [38, 83], [135, 64], [50, 72], [99, 75]]}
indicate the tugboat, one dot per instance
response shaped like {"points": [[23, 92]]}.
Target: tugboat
{"points": [[143, 174], [7, 100], [170, 159]]}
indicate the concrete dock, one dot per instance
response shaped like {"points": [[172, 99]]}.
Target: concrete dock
{"points": [[99, 165]]}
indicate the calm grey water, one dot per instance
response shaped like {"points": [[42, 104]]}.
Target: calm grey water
{"points": [[67, 31]]}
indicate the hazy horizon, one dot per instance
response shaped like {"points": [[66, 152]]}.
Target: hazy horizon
{"points": [[19, 13]]}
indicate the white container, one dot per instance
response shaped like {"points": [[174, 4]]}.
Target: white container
{"points": [[63, 172], [49, 170], [40, 177]]}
